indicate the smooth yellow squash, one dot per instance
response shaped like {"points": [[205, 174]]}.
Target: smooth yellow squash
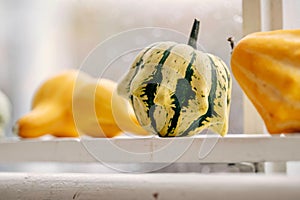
{"points": [[267, 67]]}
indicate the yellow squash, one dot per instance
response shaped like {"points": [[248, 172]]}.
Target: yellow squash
{"points": [[73, 103], [267, 67], [100, 112]]}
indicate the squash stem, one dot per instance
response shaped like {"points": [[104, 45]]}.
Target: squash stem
{"points": [[231, 42], [194, 34]]}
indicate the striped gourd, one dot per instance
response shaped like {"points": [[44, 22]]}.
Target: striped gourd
{"points": [[176, 90]]}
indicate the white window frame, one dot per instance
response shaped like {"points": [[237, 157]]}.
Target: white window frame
{"points": [[259, 15]]}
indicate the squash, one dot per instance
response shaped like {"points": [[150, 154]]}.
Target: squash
{"points": [[61, 99], [176, 90], [100, 112], [51, 109], [267, 67], [5, 112]]}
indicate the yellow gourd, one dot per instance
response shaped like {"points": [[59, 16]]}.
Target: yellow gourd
{"points": [[100, 112], [267, 67], [60, 106]]}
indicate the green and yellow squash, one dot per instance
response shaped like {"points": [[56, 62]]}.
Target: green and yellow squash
{"points": [[176, 90]]}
